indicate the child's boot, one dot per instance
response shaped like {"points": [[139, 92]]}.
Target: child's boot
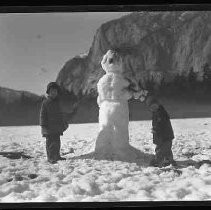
{"points": [[62, 158], [153, 163]]}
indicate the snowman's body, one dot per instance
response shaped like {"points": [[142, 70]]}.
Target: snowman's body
{"points": [[113, 137]]}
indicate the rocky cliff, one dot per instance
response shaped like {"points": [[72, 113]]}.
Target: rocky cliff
{"points": [[156, 45]]}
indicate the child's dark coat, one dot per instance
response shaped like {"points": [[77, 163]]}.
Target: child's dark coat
{"points": [[162, 136], [51, 117], [162, 129]]}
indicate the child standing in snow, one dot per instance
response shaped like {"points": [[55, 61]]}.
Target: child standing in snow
{"points": [[52, 123], [162, 134]]}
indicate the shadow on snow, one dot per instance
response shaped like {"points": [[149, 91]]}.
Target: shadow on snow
{"points": [[15, 155]]}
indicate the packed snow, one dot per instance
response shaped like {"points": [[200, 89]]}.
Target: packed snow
{"points": [[26, 176]]}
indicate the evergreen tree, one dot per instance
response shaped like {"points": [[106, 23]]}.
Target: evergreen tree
{"points": [[180, 84], [192, 80], [207, 77], [150, 85]]}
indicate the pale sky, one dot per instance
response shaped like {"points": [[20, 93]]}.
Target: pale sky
{"points": [[35, 46]]}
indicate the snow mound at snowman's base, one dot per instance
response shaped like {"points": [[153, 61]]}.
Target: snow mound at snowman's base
{"points": [[129, 154]]}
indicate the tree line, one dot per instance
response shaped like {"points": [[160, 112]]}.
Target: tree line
{"points": [[184, 85]]}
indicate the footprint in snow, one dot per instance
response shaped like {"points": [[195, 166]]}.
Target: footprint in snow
{"points": [[177, 171], [189, 154], [18, 177]]}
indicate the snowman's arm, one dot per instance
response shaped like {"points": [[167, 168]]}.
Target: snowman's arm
{"points": [[127, 93], [130, 85], [129, 88], [126, 82]]}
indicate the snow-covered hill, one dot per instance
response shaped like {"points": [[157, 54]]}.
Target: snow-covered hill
{"points": [[19, 107]]}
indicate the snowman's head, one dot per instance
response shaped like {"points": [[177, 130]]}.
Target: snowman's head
{"points": [[112, 62]]}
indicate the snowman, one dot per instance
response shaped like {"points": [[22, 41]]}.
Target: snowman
{"points": [[113, 95]]}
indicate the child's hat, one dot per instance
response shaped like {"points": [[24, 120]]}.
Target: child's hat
{"points": [[52, 85]]}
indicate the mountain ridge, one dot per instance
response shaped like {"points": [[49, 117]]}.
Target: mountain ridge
{"points": [[156, 45]]}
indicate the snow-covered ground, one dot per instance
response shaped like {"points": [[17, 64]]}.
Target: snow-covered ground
{"points": [[87, 179]]}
